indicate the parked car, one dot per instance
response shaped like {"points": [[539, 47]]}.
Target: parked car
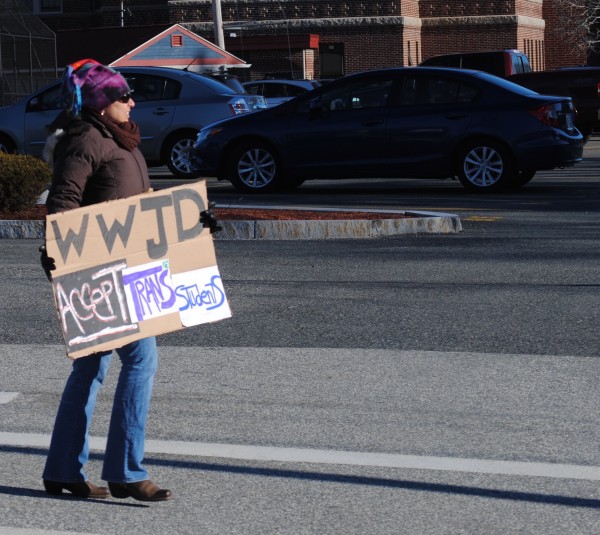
{"points": [[503, 63], [411, 122], [278, 91], [230, 80], [171, 106]]}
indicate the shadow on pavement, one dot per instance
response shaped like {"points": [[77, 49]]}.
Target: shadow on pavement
{"points": [[443, 488]]}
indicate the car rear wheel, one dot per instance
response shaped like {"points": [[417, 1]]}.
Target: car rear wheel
{"points": [[254, 168], [177, 151], [485, 165]]}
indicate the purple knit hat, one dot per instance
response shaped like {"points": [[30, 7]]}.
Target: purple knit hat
{"points": [[89, 84]]}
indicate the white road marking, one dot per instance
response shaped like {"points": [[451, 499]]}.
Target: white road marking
{"points": [[7, 397], [9, 530], [354, 458]]}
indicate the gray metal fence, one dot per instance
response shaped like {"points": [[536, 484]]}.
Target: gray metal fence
{"points": [[27, 52]]}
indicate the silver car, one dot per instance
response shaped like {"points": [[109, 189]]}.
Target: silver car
{"points": [[171, 106], [279, 91]]}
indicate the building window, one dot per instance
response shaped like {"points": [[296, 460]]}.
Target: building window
{"points": [[332, 60], [47, 6], [176, 40]]}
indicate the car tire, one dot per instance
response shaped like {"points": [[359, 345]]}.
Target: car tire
{"points": [[6, 145], [485, 165], [176, 151], [254, 168], [522, 178], [291, 184]]}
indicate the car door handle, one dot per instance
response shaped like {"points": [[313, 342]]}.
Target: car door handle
{"points": [[372, 123], [454, 116], [160, 111]]}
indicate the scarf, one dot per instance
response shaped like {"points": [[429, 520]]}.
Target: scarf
{"points": [[127, 135]]}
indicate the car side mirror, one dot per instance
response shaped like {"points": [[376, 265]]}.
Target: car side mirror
{"points": [[34, 104]]}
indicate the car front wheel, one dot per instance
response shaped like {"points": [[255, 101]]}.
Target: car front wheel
{"points": [[177, 151], [254, 168], [522, 178], [6, 145], [485, 166]]}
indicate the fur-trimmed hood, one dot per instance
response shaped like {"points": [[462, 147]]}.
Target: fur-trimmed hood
{"points": [[51, 142]]}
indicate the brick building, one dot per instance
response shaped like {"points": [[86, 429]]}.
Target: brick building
{"points": [[329, 38]]}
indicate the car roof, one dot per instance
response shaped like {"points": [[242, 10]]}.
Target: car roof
{"points": [[303, 83], [212, 82], [463, 74], [423, 68], [165, 70], [398, 70], [480, 52]]}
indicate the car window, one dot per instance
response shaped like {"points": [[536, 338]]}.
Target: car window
{"points": [[443, 61], [294, 90], [282, 90], [424, 90], [46, 100], [358, 95], [274, 90], [488, 62], [231, 81], [492, 62], [145, 87], [253, 89], [520, 63]]}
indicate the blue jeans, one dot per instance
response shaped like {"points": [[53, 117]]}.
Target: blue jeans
{"points": [[69, 446]]}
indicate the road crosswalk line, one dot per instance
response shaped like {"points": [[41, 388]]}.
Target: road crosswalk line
{"points": [[333, 457]]}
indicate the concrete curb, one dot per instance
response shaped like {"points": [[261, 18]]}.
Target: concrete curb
{"points": [[421, 222]]}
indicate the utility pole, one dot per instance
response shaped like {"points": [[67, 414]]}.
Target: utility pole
{"points": [[218, 24]]}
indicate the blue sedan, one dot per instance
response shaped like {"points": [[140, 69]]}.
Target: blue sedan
{"points": [[412, 122]]}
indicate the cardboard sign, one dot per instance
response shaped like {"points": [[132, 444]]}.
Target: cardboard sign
{"points": [[133, 268]]}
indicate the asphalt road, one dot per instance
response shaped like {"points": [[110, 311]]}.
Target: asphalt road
{"points": [[460, 371]]}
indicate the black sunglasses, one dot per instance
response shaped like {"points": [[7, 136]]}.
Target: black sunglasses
{"points": [[125, 98]]}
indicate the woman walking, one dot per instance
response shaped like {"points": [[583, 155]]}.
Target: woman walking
{"points": [[95, 158]]}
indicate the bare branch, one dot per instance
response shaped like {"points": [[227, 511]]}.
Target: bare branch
{"points": [[579, 23]]}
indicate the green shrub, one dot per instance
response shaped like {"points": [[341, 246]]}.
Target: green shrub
{"points": [[22, 180]]}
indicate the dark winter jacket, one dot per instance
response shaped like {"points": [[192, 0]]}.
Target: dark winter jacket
{"points": [[89, 167]]}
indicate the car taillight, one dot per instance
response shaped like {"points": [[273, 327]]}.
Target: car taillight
{"points": [[598, 87], [548, 114], [237, 106]]}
